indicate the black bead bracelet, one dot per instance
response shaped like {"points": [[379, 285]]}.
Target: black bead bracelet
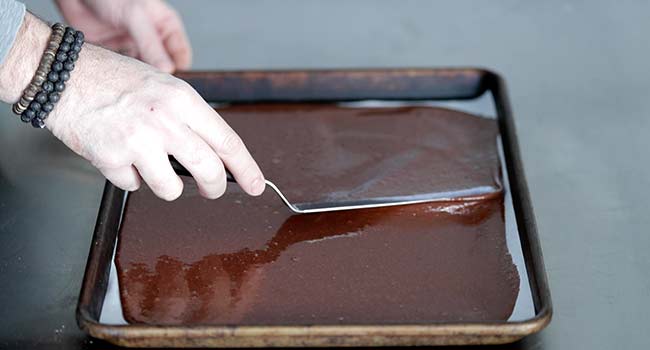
{"points": [[50, 91]]}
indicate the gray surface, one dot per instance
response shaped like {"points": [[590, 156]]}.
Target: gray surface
{"points": [[579, 86]]}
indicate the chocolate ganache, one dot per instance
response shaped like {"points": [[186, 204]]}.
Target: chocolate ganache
{"points": [[248, 261], [323, 153]]}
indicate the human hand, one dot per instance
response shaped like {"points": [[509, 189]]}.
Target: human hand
{"points": [[126, 117], [149, 30]]}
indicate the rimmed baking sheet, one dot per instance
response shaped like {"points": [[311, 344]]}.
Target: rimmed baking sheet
{"points": [[111, 313]]}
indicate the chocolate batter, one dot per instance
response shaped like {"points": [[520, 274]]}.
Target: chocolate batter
{"points": [[244, 260], [326, 153]]}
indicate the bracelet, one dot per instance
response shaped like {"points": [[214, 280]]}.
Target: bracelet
{"points": [[58, 64], [42, 71]]}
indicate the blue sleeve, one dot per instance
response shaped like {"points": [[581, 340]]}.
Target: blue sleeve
{"points": [[11, 18]]}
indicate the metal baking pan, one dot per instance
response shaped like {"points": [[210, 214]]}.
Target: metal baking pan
{"points": [[330, 86]]}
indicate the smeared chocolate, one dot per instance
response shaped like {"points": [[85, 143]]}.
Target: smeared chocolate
{"points": [[244, 260], [326, 153], [241, 260]]}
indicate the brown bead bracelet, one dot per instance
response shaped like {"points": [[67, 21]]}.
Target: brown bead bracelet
{"points": [[43, 70]]}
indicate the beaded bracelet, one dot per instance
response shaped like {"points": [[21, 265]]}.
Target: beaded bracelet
{"points": [[57, 65], [43, 69]]}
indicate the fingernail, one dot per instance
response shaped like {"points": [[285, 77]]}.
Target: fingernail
{"points": [[258, 186]]}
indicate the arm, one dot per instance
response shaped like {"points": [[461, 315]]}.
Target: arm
{"points": [[125, 117]]}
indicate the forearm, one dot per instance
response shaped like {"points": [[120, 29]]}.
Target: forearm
{"points": [[23, 58]]}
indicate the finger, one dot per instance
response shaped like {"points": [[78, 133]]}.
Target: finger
{"points": [[79, 14], [126, 178], [230, 148], [179, 49], [158, 173], [148, 41], [176, 42], [202, 162]]}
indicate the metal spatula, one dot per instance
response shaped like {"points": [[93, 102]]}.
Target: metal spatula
{"points": [[307, 208]]}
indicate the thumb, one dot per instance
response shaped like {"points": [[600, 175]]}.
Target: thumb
{"points": [[148, 41]]}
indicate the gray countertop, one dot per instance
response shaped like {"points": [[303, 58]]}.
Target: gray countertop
{"points": [[578, 79]]}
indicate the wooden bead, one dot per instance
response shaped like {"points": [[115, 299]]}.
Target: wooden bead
{"points": [[31, 92], [39, 77], [18, 108]]}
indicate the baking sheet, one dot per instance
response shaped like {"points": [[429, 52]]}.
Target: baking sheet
{"points": [[524, 309]]}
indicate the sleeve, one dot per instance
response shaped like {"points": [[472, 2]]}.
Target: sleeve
{"points": [[11, 18]]}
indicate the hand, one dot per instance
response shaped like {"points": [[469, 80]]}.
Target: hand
{"points": [[126, 117], [145, 29]]}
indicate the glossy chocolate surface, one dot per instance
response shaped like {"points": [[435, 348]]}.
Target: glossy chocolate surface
{"points": [[244, 260], [241, 260], [324, 153]]}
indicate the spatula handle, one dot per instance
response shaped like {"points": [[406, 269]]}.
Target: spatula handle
{"points": [[180, 170]]}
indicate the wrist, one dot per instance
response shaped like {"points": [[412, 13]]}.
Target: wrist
{"points": [[22, 60]]}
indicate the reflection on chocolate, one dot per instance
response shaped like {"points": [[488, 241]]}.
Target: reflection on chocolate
{"points": [[243, 260], [322, 153]]}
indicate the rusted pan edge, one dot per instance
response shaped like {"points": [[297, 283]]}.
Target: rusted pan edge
{"points": [[337, 85], [95, 281], [315, 336]]}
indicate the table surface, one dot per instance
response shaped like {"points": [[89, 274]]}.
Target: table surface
{"points": [[578, 80]]}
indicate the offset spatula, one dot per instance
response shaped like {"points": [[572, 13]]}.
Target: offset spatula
{"points": [[307, 208]]}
